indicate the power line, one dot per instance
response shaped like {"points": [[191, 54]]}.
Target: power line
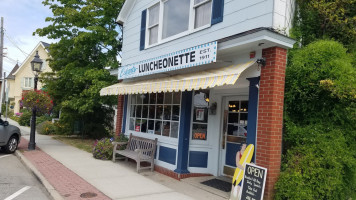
{"points": [[13, 43]]}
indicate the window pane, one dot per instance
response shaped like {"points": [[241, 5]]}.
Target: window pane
{"points": [[175, 115], [139, 98], [138, 125], [138, 111], [153, 35], [166, 128], [175, 17], [167, 112], [244, 106], [144, 125], [168, 98], [144, 111], [132, 111], [176, 98], [159, 112], [153, 15], [200, 115], [233, 118], [145, 98], [199, 131], [153, 98], [174, 129], [233, 106], [133, 99], [160, 98], [151, 126], [152, 111], [158, 127], [132, 124], [202, 15], [243, 119]]}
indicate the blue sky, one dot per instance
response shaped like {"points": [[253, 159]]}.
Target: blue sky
{"points": [[21, 19]]}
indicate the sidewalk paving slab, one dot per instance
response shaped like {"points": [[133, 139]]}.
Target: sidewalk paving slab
{"points": [[76, 172]]}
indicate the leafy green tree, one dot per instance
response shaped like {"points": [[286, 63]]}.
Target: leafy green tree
{"points": [[320, 19], [89, 41]]}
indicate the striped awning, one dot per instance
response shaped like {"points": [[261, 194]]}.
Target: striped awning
{"points": [[194, 81]]}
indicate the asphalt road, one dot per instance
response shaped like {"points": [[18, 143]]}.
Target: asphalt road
{"points": [[17, 182]]}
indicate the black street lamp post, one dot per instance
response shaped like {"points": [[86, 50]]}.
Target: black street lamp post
{"points": [[36, 65]]}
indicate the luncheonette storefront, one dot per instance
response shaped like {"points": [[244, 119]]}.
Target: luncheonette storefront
{"points": [[203, 100]]}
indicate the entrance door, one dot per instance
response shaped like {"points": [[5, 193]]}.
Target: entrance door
{"points": [[234, 132]]}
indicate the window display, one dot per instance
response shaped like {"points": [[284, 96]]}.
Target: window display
{"points": [[155, 113]]}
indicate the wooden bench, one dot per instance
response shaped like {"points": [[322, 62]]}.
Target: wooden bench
{"points": [[139, 149]]}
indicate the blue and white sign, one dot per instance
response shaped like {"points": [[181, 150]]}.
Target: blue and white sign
{"points": [[190, 57]]}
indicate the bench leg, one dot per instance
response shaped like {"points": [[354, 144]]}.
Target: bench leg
{"points": [[138, 166], [152, 165], [113, 157]]}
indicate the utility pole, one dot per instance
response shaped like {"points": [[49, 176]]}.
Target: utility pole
{"points": [[1, 59], [1, 46]]}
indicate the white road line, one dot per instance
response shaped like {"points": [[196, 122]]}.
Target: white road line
{"points": [[4, 156], [18, 193]]}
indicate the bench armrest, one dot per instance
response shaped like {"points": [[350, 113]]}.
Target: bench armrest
{"points": [[118, 143]]}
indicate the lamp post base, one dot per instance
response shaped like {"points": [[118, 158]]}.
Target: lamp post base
{"points": [[31, 146]]}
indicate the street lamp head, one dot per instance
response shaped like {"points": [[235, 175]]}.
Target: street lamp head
{"points": [[36, 63]]}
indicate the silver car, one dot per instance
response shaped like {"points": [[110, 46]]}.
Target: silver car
{"points": [[9, 136]]}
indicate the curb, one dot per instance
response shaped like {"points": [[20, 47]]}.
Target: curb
{"points": [[50, 189]]}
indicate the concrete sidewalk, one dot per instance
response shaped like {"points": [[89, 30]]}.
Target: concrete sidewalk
{"points": [[70, 172]]}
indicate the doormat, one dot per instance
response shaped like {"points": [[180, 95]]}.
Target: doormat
{"points": [[218, 184]]}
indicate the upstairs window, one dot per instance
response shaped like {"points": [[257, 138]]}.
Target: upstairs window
{"points": [[175, 17], [202, 9], [153, 20], [170, 19]]}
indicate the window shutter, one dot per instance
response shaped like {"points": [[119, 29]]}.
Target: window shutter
{"points": [[143, 30], [218, 12]]}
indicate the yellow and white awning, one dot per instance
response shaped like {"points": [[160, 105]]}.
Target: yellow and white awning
{"points": [[194, 81]]}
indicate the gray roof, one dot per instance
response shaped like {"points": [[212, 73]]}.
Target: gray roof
{"points": [[10, 76]]}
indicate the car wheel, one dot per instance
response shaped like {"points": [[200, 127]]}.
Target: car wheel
{"points": [[11, 145]]}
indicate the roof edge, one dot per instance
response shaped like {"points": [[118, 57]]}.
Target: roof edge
{"points": [[125, 11], [29, 56]]}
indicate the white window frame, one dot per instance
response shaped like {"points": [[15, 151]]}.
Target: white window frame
{"points": [[28, 80], [190, 30], [166, 139]]}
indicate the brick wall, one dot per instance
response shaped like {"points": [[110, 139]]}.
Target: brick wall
{"points": [[270, 115], [120, 111]]}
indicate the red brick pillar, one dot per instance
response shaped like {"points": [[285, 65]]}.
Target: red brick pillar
{"points": [[119, 114], [270, 115]]}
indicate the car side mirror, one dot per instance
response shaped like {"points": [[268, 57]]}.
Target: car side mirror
{"points": [[4, 123]]}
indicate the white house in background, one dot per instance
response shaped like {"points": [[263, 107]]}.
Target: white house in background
{"points": [[204, 77], [21, 78]]}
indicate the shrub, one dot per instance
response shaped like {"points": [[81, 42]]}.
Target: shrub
{"points": [[43, 118], [25, 119], [46, 128], [103, 149], [320, 165]]}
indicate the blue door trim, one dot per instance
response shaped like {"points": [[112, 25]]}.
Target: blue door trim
{"points": [[124, 115], [184, 132], [252, 112]]}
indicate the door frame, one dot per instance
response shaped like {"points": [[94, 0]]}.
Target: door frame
{"points": [[222, 152]]}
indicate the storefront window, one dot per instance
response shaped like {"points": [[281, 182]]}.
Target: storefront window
{"points": [[200, 114], [156, 113]]}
